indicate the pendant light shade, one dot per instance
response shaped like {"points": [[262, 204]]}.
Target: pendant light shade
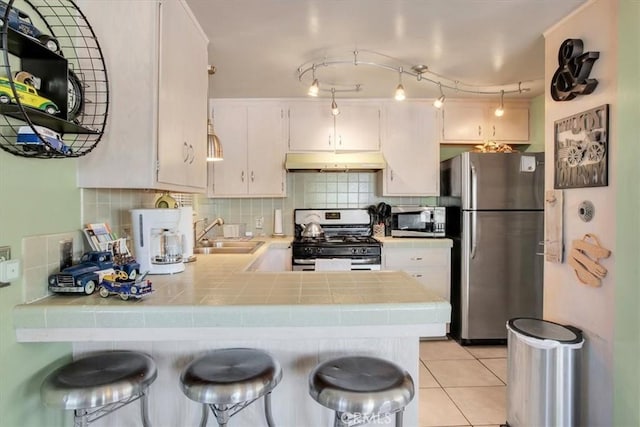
{"points": [[214, 147]]}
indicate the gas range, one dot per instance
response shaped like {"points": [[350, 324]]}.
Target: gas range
{"points": [[346, 241]]}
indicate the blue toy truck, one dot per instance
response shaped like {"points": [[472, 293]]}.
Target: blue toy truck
{"points": [[86, 276]]}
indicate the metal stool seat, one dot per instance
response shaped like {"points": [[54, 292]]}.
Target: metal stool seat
{"points": [[97, 385], [229, 380], [360, 388]]}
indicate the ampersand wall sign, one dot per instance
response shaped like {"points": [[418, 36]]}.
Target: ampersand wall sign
{"points": [[571, 77]]}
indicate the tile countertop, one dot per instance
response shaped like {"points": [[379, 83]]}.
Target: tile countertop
{"points": [[216, 292]]}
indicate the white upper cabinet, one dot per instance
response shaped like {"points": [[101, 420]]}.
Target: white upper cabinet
{"points": [[312, 127], [411, 150], [156, 56], [252, 134], [475, 122]]}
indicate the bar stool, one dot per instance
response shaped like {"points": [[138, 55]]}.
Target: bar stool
{"points": [[97, 385], [229, 380], [361, 389]]}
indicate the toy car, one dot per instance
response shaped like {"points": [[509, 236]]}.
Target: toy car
{"points": [[30, 141], [118, 283], [20, 21], [28, 96], [86, 276]]}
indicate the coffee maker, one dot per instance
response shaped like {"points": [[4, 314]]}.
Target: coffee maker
{"points": [[159, 237]]}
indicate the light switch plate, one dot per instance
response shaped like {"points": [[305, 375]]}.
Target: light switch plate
{"points": [[9, 270]]}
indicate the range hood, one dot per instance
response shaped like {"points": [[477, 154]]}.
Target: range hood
{"points": [[325, 161]]}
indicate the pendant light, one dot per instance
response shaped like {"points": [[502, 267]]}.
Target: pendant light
{"points": [[500, 110], [400, 95], [214, 147], [334, 107], [438, 103]]}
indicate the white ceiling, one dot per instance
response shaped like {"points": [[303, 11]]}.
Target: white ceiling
{"points": [[258, 45]]}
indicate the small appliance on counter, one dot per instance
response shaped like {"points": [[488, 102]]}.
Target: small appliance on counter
{"points": [[159, 238], [418, 221]]}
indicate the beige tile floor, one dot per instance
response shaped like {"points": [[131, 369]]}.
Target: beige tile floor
{"points": [[462, 386]]}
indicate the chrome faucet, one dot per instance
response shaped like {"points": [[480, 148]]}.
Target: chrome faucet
{"points": [[217, 221]]}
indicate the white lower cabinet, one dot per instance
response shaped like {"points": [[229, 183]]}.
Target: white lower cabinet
{"points": [[430, 266], [252, 134], [411, 149]]}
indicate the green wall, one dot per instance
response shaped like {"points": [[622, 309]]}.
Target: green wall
{"points": [[38, 197], [626, 142]]}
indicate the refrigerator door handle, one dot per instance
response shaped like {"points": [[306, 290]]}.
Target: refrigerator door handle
{"points": [[473, 190], [473, 227]]}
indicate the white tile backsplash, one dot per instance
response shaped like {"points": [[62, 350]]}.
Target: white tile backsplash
{"points": [[41, 257]]}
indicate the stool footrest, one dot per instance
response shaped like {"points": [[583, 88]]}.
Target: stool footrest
{"points": [[93, 415]]}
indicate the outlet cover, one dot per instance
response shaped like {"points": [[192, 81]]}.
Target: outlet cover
{"points": [[5, 253], [66, 253]]}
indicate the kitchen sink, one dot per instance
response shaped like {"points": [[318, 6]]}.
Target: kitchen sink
{"points": [[228, 247]]}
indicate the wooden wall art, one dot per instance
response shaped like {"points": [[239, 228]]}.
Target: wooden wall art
{"points": [[572, 76], [553, 243], [581, 146], [584, 257]]}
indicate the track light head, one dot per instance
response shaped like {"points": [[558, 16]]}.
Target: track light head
{"points": [[400, 95]]}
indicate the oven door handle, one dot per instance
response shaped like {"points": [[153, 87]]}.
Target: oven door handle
{"points": [[353, 261]]}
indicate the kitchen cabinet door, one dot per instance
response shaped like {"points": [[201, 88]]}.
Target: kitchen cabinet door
{"points": [[411, 150], [357, 127], [463, 122], [430, 266], [266, 150], [253, 139], [311, 126], [475, 123], [181, 145], [156, 53], [512, 126], [230, 125]]}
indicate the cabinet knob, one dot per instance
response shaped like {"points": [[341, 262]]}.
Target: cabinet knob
{"points": [[329, 140], [479, 130], [242, 176], [417, 258], [252, 177], [391, 174], [494, 130], [417, 275], [192, 154]]}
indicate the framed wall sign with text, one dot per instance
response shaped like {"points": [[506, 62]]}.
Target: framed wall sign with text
{"points": [[581, 146]]}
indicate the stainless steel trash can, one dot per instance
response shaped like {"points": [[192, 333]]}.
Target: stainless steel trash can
{"points": [[543, 373]]}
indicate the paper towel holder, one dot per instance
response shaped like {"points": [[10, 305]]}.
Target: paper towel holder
{"points": [[277, 223]]}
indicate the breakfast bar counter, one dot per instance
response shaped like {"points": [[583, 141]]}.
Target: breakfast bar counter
{"points": [[302, 318]]}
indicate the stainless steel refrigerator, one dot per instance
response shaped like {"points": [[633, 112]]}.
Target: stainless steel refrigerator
{"points": [[495, 216]]}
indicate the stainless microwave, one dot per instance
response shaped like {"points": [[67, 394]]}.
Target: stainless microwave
{"points": [[417, 221]]}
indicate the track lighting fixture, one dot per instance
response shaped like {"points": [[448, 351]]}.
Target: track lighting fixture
{"points": [[314, 88], [439, 102], [422, 73], [400, 95], [500, 110], [334, 107]]}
